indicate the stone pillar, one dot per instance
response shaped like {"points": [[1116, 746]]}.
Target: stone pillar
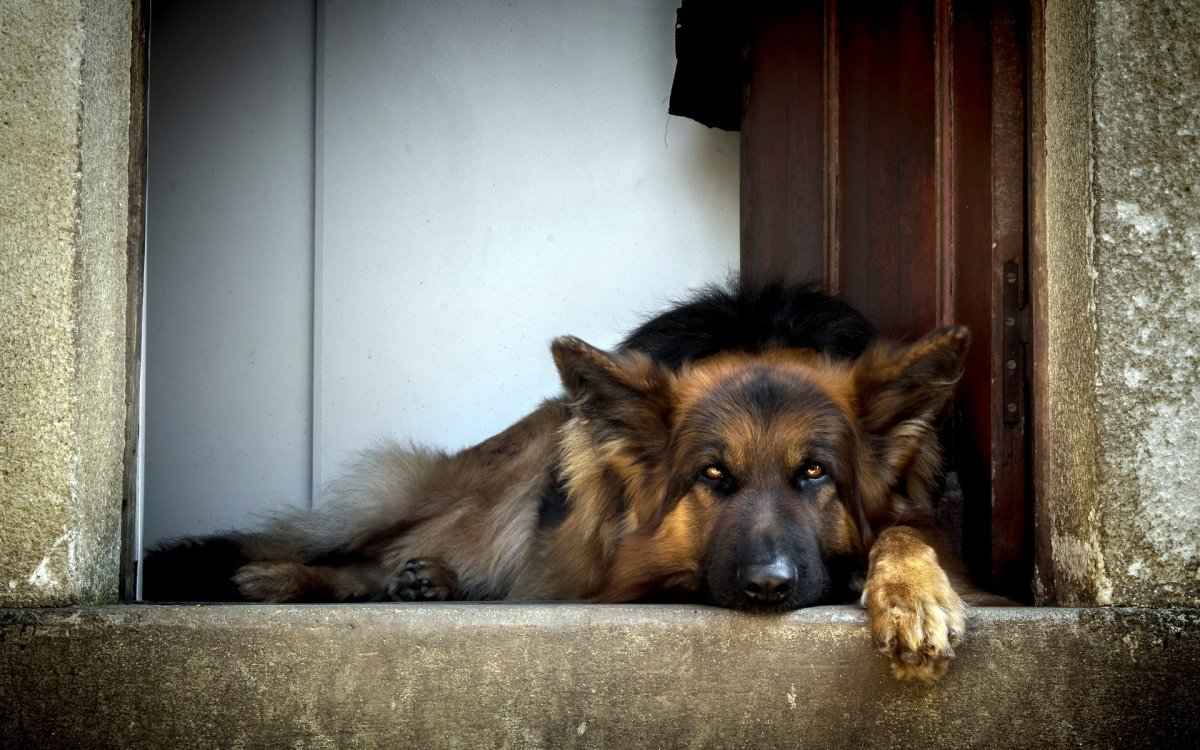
{"points": [[1121, 238], [64, 199]]}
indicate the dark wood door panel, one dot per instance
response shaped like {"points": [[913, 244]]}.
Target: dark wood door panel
{"points": [[783, 137], [887, 163], [884, 156]]}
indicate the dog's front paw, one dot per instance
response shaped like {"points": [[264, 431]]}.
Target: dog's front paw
{"points": [[424, 580], [270, 581], [916, 616], [917, 630]]}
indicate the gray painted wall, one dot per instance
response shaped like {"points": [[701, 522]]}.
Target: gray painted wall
{"points": [[228, 280]]}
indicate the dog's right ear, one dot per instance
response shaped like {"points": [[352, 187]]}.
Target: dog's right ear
{"points": [[900, 392], [628, 392]]}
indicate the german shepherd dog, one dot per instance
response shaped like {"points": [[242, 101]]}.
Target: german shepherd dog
{"points": [[757, 449]]}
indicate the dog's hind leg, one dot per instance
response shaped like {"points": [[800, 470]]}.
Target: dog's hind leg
{"points": [[271, 581]]}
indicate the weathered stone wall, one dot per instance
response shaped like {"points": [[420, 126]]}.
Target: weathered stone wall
{"points": [[1123, 250], [1147, 250], [1067, 343], [584, 676], [64, 144]]}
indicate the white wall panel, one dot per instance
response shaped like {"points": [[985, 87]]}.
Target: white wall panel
{"points": [[487, 176], [229, 263], [496, 174]]}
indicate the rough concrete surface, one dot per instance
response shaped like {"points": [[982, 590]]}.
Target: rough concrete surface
{"points": [[1068, 482], [103, 248], [1147, 255], [39, 199], [64, 113], [1122, 350], [602, 676]]}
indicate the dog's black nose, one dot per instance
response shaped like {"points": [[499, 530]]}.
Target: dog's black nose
{"points": [[767, 584]]}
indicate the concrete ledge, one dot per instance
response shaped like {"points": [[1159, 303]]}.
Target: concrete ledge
{"points": [[576, 675]]}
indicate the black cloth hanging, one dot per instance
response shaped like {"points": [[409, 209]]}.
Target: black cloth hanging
{"points": [[711, 37]]}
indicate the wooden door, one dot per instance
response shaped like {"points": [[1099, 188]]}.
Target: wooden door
{"points": [[883, 153]]}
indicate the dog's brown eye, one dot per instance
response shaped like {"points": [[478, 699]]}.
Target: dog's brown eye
{"points": [[814, 471], [718, 480]]}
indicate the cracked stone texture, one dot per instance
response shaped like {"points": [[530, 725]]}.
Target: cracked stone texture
{"points": [[584, 676], [64, 136], [1146, 147]]}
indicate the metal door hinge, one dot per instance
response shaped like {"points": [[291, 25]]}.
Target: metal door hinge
{"points": [[1013, 360]]}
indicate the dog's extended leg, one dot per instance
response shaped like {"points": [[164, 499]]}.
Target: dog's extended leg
{"points": [[270, 581], [916, 615]]}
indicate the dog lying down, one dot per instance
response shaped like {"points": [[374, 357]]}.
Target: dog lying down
{"points": [[752, 448]]}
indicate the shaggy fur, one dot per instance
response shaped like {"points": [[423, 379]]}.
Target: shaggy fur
{"points": [[753, 449]]}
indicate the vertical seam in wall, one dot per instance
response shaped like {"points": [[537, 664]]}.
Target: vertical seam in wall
{"points": [[1093, 204], [135, 381], [318, 255], [1044, 581], [832, 145], [1072, 474], [943, 161], [1102, 580], [1099, 576], [74, 515], [140, 468]]}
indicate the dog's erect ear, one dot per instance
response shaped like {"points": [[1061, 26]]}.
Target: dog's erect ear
{"points": [[900, 390], [625, 402], [627, 392]]}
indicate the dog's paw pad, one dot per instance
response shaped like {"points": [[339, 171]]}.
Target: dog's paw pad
{"points": [[424, 580]]}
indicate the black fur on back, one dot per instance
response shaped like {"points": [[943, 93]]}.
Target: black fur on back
{"points": [[751, 318]]}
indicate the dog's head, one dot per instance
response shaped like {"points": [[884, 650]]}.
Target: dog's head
{"points": [[756, 480]]}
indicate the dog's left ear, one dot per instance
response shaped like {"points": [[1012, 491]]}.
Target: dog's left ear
{"points": [[900, 390], [626, 402], [628, 392]]}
